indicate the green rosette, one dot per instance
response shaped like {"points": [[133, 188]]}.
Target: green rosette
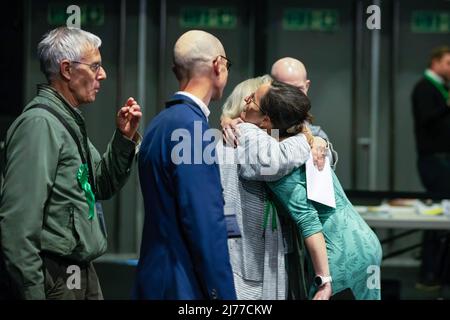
{"points": [[268, 209], [83, 180]]}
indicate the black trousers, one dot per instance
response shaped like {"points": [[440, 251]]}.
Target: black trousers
{"points": [[434, 170], [63, 280], [435, 257], [69, 280]]}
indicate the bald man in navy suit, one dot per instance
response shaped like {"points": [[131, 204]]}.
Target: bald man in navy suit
{"points": [[184, 253]]}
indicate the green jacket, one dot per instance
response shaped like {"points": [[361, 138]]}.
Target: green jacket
{"points": [[43, 207]]}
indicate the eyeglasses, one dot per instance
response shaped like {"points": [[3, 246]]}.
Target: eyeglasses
{"points": [[228, 62], [93, 66], [250, 99]]}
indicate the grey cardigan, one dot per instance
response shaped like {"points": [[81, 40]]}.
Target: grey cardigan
{"points": [[258, 262]]}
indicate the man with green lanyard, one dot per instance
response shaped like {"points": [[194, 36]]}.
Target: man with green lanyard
{"points": [[431, 111], [50, 224]]}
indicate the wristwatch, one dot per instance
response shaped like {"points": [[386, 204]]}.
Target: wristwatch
{"points": [[321, 280]]}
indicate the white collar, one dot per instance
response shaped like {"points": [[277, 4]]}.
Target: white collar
{"points": [[434, 76], [198, 101]]}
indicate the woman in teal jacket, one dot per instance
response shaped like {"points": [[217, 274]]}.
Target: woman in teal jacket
{"points": [[352, 247], [353, 250]]}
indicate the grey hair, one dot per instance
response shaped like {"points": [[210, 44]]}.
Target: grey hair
{"points": [[64, 43], [234, 104]]}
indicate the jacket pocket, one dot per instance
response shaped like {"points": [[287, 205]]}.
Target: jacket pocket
{"points": [[58, 233], [91, 242], [72, 238]]}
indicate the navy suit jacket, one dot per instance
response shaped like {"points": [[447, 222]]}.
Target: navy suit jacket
{"points": [[184, 253]]}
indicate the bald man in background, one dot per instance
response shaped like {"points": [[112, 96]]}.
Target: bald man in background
{"points": [[184, 253], [293, 72]]}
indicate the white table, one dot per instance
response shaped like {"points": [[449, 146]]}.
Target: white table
{"points": [[402, 218]]}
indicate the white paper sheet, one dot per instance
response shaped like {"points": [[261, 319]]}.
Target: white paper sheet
{"points": [[319, 184]]}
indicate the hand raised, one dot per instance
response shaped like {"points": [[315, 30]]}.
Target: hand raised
{"points": [[128, 117]]}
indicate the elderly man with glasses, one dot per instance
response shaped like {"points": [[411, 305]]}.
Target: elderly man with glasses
{"points": [[51, 225]]}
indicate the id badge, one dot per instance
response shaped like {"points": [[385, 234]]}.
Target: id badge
{"points": [[231, 222]]}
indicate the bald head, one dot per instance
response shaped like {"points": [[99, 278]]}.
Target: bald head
{"points": [[195, 50], [291, 71]]}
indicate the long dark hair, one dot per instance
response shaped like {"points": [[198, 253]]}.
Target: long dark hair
{"points": [[287, 107]]}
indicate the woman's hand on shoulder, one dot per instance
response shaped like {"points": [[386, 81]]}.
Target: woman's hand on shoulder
{"points": [[230, 131]]}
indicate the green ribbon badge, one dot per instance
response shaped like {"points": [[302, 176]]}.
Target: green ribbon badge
{"points": [[268, 208], [83, 180]]}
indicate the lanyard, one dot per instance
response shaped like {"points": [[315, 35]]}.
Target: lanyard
{"points": [[440, 87]]}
